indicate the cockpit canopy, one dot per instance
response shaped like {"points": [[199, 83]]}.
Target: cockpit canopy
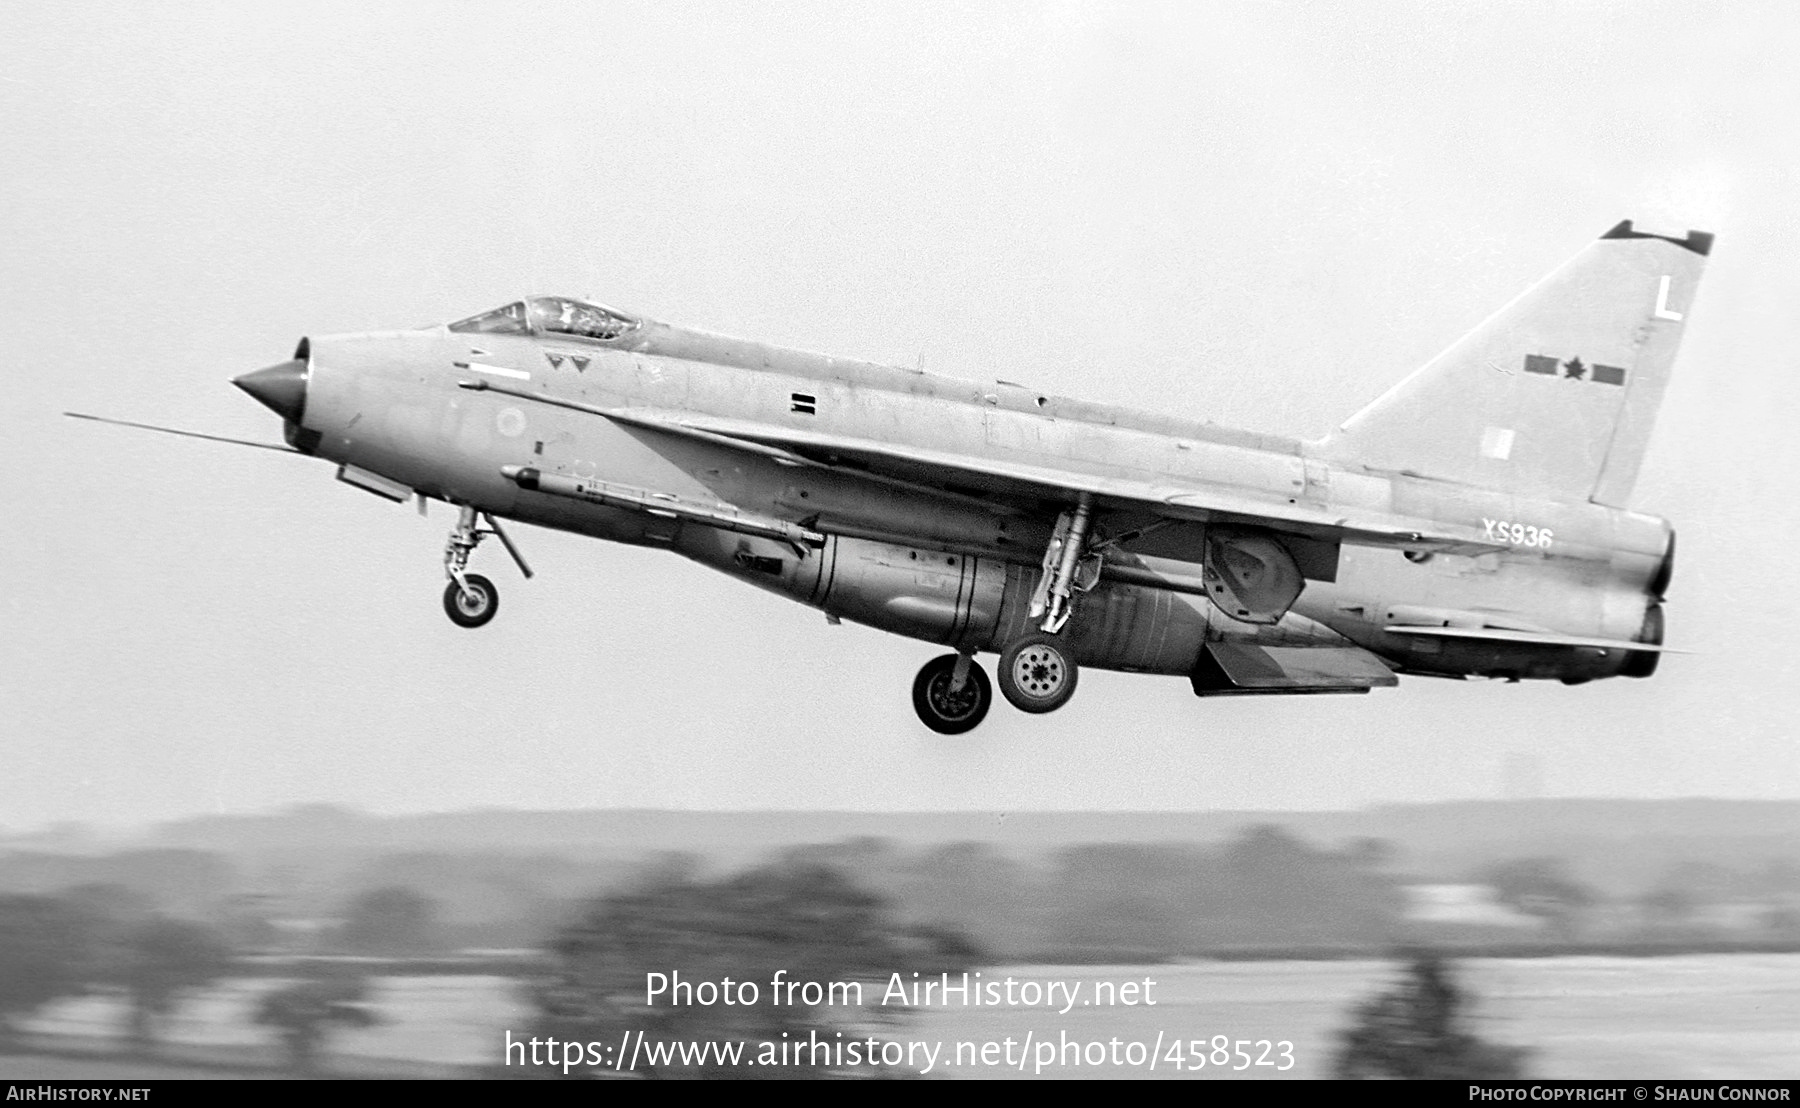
{"points": [[550, 315]]}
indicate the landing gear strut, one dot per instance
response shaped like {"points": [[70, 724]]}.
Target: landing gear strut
{"points": [[1038, 671], [471, 600], [952, 694], [1068, 568]]}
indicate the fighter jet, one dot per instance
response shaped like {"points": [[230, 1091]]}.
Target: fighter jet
{"points": [[1473, 521]]}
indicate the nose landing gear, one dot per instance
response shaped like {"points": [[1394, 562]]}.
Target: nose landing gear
{"points": [[471, 600]]}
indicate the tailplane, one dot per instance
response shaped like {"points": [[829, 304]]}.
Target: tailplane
{"points": [[1555, 395]]}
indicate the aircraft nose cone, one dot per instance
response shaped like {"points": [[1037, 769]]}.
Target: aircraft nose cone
{"points": [[279, 388]]}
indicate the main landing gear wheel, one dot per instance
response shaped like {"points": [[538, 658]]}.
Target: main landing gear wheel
{"points": [[945, 708], [1037, 673], [473, 602]]}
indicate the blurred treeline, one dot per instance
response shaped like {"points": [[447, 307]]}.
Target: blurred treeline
{"points": [[1121, 902], [1262, 891], [400, 904], [1112, 901]]}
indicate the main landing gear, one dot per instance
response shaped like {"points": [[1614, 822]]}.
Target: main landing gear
{"points": [[1037, 670], [952, 694], [471, 600], [1037, 673]]}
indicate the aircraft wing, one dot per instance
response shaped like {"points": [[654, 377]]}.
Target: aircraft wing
{"points": [[960, 474], [1002, 485]]}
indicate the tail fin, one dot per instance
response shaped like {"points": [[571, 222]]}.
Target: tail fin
{"points": [[1555, 395]]}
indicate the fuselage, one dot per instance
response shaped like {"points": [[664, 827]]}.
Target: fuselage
{"points": [[952, 559]]}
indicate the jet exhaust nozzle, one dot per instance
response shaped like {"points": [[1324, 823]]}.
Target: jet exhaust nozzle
{"points": [[279, 388]]}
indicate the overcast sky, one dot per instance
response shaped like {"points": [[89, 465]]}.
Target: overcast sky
{"points": [[1262, 214]]}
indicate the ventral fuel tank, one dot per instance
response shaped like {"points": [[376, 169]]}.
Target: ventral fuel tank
{"points": [[976, 603]]}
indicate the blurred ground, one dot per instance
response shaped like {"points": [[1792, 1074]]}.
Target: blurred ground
{"points": [[1701, 1017]]}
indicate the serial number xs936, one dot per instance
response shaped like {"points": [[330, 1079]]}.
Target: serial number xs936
{"points": [[1519, 534]]}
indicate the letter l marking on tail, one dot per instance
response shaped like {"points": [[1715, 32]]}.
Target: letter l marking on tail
{"points": [[1662, 302]]}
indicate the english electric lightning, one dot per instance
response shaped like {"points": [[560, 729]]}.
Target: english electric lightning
{"points": [[1474, 521]]}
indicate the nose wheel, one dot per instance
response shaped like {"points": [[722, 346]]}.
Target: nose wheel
{"points": [[952, 694], [471, 600]]}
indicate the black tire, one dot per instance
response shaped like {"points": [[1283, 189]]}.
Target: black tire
{"points": [[1037, 673], [950, 713], [471, 612]]}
